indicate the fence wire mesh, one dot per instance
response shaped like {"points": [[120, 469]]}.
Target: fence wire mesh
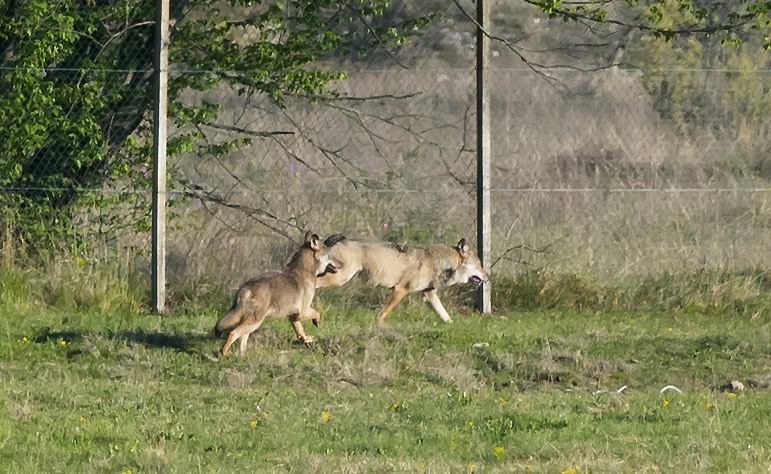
{"points": [[587, 178], [613, 172]]}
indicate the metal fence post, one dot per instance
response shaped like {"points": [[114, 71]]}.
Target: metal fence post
{"points": [[483, 152], [159, 155]]}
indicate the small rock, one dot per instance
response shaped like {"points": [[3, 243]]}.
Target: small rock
{"points": [[735, 386]]}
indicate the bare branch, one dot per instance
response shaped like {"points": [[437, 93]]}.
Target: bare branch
{"points": [[418, 135], [533, 67], [377, 37], [244, 131], [372, 97], [572, 15], [255, 214], [519, 247], [328, 154]]}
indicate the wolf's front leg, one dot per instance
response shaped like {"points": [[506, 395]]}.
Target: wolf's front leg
{"points": [[314, 316], [295, 319], [433, 299], [230, 340], [244, 340]]}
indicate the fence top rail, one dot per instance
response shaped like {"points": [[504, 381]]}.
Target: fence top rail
{"points": [[178, 70], [424, 190]]}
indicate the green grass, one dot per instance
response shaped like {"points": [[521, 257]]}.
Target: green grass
{"points": [[119, 391]]}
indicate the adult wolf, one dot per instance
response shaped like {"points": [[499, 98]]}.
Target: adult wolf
{"points": [[405, 268], [275, 295]]}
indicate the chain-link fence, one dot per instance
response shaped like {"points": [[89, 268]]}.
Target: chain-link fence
{"points": [[587, 178], [613, 172], [75, 87]]}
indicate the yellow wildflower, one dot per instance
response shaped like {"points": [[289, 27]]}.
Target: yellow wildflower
{"points": [[325, 416], [570, 471], [254, 422], [498, 451], [63, 343], [731, 395], [665, 403]]}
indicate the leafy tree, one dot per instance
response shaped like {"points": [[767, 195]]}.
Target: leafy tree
{"points": [[673, 39], [76, 86], [702, 61], [737, 103], [733, 22], [76, 78]]}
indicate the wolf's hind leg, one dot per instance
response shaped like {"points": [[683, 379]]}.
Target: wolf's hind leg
{"points": [[398, 295], [242, 331]]}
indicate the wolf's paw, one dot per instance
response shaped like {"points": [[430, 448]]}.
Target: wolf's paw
{"points": [[308, 339]]}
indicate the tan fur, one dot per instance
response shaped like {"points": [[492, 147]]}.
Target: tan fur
{"points": [[404, 268], [275, 295]]}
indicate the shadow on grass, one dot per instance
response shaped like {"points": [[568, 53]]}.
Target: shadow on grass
{"points": [[187, 343]]}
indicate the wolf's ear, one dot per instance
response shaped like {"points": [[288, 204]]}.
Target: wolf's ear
{"points": [[308, 237], [462, 247], [314, 242]]}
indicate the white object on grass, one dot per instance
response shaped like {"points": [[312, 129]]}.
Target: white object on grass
{"points": [[671, 387]]}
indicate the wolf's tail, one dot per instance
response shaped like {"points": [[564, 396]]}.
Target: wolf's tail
{"points": [[228, 322], [333, 239]]}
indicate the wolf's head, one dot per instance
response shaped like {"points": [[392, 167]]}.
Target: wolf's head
{"points": [[470, 268], [324, 261]]}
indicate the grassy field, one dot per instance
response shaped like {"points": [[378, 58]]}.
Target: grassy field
{"points": [[520, 391]]}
